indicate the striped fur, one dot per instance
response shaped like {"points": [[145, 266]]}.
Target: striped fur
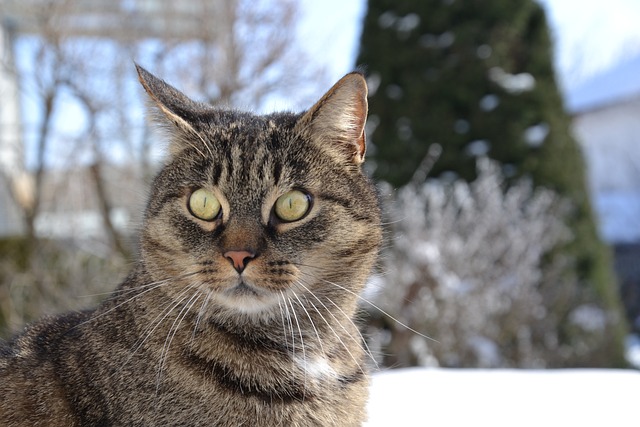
{"points": [[188, 340]]}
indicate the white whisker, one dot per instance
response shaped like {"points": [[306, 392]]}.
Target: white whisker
{"points": [[380, 310], [331, 327], [284, 329], [150, 287], [364, 341], [200, 315], [124, 290], [355, 360], [155, 323], [293, 337], [164, 354], [304, 353], [312, 324]]}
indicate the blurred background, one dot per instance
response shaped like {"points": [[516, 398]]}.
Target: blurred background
{"points": [[504, 135]]}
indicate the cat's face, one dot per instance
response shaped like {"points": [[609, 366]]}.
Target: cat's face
{"points": [[252, 210]]}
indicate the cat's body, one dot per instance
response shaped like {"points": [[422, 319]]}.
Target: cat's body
{"points": [[259, 234]]}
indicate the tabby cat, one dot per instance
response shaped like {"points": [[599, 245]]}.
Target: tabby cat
{"points": [[258, 236]]}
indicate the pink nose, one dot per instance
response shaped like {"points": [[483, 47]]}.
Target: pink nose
{"points": [[239, 259]]}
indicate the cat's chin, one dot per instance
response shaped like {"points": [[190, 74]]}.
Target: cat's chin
{"points": [[247, 298]]}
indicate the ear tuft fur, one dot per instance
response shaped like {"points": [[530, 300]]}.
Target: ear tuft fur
{"points": [[174, 106], [337, 120], [170, 101]]}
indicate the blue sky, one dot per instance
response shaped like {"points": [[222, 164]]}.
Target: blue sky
{"points": [[591, 36]]}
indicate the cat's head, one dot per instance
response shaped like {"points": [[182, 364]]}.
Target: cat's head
{"points": [[252, 209]]}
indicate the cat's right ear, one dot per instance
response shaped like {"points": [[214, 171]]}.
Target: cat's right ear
{"points": [[337, 121], [175, 107]]}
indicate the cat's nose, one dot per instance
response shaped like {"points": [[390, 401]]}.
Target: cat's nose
{"points": [[239, 259]]}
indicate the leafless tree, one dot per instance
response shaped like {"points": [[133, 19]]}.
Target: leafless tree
{"points": [[90, 146]]}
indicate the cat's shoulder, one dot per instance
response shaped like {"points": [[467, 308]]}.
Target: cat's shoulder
{"points": [[40, 338]]}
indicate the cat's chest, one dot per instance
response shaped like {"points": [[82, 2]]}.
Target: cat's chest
{"points": [[258, 395], [316, 368], [264, 374]]}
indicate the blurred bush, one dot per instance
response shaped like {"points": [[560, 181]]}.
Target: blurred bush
{"points": [[49, 278], [472, 266]]}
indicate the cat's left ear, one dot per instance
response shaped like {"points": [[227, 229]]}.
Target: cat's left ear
{"points": [[337, 120]]}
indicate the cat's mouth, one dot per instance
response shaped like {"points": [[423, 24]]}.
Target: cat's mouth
{"points": [[244, 289], [247, 297]]}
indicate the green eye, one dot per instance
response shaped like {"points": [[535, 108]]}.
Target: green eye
{"points": [[292, 205], [204, 205]]}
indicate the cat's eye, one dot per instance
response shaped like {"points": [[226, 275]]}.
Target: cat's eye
{"points": [[204, 205], [292, 206]]}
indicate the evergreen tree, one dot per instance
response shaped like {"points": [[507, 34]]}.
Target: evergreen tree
{"points": [[476, 78]]}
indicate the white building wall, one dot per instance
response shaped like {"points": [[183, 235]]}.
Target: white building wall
{"points": [[610, 139], [12, 170]]}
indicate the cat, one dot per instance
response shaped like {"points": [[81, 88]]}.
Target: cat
{"points": [[258, 236]]}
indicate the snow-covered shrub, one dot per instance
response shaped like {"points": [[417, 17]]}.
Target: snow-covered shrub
{"points": [[471, 266]]}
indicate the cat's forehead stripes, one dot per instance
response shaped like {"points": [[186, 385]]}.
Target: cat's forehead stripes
{"points": [[246, 159]]}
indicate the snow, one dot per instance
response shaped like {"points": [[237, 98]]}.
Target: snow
{"points": [[478, 148], [512, 83], [457, 397], [536, 134], [633, 350], [489, 102]]}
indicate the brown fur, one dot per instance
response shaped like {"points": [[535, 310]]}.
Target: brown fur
{"points": [[186, 339]]}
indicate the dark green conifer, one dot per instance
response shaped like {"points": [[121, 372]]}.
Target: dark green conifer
{"points": [[476, 77]]}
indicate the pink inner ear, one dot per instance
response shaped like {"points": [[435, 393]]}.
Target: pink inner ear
{"points": [[361, 115], [338, 118]]}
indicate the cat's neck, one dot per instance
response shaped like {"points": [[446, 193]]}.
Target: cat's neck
{"points": [[289, 334]]}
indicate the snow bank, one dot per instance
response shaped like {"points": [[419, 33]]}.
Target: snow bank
{"points": [[443, 397]]}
